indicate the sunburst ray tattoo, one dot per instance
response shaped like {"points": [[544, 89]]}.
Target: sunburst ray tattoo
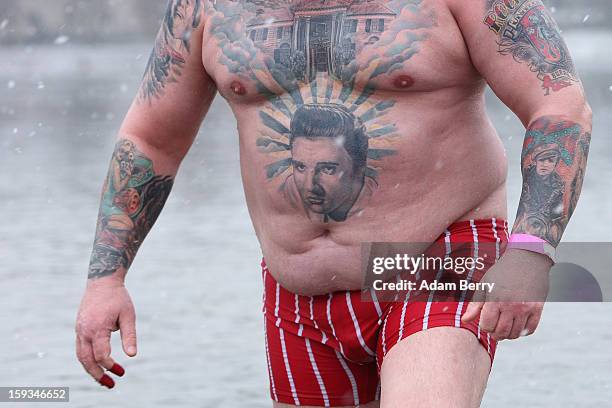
{"points": [[325, 132]]}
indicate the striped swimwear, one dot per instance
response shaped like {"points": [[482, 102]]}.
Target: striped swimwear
{"points": [[327, 350]]}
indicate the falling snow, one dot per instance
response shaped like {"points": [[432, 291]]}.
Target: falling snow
{"points": [[62, 39], [21, 85]]}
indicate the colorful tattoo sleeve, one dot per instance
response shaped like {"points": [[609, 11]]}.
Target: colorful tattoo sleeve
{"points": [[526, 30], [172, 46], [553, 162], [132, 198]]}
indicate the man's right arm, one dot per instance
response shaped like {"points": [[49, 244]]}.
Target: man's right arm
{"points": [[154, 138], [156, 134]]}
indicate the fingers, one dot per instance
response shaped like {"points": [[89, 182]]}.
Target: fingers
{"points": [[532, 322], [518, 326], [489, 317], [127, 327], [102, 349], [504, 326], [86, 356], [472, 312], [94, 355], [117, 370], [508, 324]]}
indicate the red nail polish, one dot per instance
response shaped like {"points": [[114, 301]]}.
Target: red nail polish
{"points": [[117, 369], [106, 381]]}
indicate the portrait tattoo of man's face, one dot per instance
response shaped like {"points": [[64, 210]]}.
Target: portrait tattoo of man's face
{"points": [[326, 132], [554, 149], [329, 150]]}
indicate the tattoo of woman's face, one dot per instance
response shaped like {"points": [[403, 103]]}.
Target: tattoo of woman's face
{"points": [[132, 198], [172, 47]]}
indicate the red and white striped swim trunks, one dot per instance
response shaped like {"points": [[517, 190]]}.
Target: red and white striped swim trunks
{"points": [[327, 350]]}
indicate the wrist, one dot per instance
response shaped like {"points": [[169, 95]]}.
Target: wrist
{"points": [[529, 256], [114, 279], [532, 243]]}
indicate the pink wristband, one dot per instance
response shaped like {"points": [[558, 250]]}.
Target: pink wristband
{"points": [[531, 243]]}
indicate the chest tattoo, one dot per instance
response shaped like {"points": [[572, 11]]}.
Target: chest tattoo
{"points": [[324, 132]]}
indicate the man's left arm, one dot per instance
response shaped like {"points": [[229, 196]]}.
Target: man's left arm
{"points": [[518, 49]]}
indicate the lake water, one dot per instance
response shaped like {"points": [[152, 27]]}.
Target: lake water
{"points": [[196, 282]]}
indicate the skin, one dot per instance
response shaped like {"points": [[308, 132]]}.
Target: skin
{"points": [[430, 143], [458, 380]]}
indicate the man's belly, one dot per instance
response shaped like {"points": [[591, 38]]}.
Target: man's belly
{"points": [[315, 260], [312, 207]]}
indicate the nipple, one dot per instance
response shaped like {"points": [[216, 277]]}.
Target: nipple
{"points": [[403, 81], [238, 88]]}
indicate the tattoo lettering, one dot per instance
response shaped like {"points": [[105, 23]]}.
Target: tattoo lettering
{"points": [[528, 33], [554, 162], [315, 62], [171, 47], [132, 199]]}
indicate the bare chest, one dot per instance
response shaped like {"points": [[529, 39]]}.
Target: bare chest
{"points": [[260, 49]]}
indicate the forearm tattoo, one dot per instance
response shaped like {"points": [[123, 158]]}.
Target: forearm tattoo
{"points": [[553, 162], [172, 46], [132, 199], [527, 31]]}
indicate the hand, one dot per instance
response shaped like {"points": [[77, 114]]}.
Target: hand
{"points": [[105, 308], [514, 307]]}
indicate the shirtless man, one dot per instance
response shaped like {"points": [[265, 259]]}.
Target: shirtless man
{"points": [[398, 86]]}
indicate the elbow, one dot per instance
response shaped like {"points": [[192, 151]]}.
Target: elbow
{"points": [[587, 113], [583, 114], [578, 111]]}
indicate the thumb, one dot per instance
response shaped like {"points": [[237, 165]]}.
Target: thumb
{"points": [[472, 312], [127, 328]]}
